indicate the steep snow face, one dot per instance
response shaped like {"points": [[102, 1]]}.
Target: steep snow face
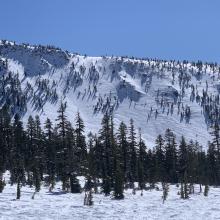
{"points": [[156, 94]]}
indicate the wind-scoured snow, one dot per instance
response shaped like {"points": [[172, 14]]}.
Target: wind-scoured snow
{"points": [[148, 91]]}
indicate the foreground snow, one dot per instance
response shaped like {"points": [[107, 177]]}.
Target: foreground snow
{"points": [[58, 205]]}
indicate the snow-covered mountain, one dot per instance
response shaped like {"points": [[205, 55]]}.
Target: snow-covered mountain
{"points": [[157, 94]]}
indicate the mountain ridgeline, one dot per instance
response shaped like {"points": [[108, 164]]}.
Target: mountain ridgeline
{"points": [[156, 94]]}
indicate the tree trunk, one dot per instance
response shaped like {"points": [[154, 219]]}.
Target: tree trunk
{"points": [[18, 190]]}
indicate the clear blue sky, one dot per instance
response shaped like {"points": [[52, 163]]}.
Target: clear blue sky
{"points": [[167, 29]]}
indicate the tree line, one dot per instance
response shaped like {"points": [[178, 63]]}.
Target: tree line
{"points": [[111, 160]]}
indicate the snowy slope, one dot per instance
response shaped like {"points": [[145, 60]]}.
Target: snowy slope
{"points": [[156, 94]]}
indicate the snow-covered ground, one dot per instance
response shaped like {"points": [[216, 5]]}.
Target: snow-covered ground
{"points": [[60, 206]]}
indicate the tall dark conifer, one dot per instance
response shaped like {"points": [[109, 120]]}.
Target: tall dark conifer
{"points": [[50, 153], [62, 148], [160, 159], [141, 162], [81, 150], [105, 141], [171, 156], [132, 153], [18, 154], [123, 145]]}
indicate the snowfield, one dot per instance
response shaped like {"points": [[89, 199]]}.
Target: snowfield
{"points": [[154, 93], [59, 205]]}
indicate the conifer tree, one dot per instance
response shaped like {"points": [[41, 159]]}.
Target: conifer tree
{"points": [[118, 177], [215, 133], [91, 163], [81, 150], [72, 166], [17, 154], [212, 164], [192, 165], [62, 149], [160, 158], [39, 147], [119, 183], [5, 139], [105, 141], [151, 168], [186, 191], [123, 145], [140, 162], [30, 150], [182, 158], [50, 153], [132, 154], [171, 156]]}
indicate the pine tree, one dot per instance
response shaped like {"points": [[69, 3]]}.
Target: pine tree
{"points": [[182, 159], [115, 151], [30, 150], [215, 133], [192, 165], [62, 149], [39, 147], [170, 156], [160, 158], [123, 145], [5, 139], [91, 163], [17, 154], [212, 164], [140, 162], [151, 168], [132, 154], [216, 136], [36, 152], [98, 153], [202, 167], [105, 140], [118, 184], [50, 153], [186, 193], [80, 141], [72, 166]]}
